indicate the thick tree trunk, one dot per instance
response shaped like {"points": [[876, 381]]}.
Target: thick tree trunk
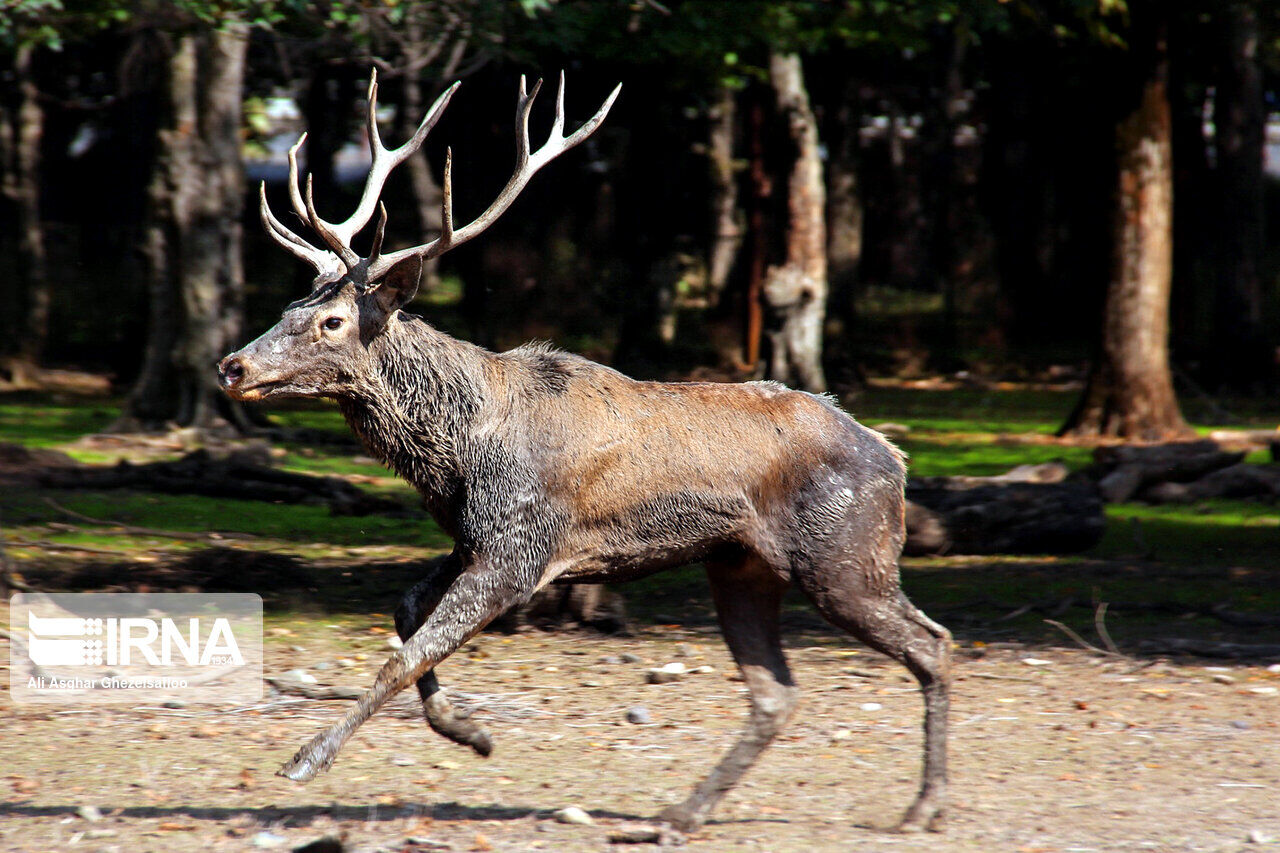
{"points": [[1130, 389], [796, 292], [29, 326], [1243, 357], [193, 241], [726, 225]]}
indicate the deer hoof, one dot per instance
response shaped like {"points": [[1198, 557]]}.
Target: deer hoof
{"points": [[304, 766], [679, 818], [922, 818]]}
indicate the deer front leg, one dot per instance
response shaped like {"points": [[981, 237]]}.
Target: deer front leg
{"points": [[420, 602], [480, 593]]}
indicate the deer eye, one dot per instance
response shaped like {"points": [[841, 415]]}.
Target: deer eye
{"points": [[332, 324]]}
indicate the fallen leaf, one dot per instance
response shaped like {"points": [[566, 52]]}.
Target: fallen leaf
{"points": [[481, 843]]}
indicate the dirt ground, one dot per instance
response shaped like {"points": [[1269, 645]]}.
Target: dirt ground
{"points": [[1052, 749]]}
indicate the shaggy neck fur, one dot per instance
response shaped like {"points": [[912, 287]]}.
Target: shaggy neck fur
{"points": [[415, 410]]}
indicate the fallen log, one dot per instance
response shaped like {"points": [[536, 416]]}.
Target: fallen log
{"points": [[241, 474], [1123, 471], [1236, 481], [974, 515]]}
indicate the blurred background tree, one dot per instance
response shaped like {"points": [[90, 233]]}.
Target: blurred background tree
{"points": [[815, 192]]}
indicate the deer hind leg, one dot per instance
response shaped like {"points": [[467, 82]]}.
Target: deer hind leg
{"points": [[419, 603], [856, 599], [747, 595]]}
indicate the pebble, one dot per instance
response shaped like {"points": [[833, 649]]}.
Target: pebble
{"points": [[635, 835], [638, 715], [346, 663], [1037, 662], [1257, 836], [324, 664], [574, 815], [395, 642], [402, 761], [611, 660], [685, 650], [175, 704], [300, 675], [871, 706], [1275, 667], [1243, 725], [703, 669], [89, 813], [1264, 691], [628, 657], [841, 734], [427, 843], [666, 674], [268, 840], [1223, 678]]}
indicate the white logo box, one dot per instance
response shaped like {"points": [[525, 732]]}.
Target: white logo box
{"points": [[135, 648]]}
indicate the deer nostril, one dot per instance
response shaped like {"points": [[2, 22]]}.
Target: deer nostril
{"points": [[232, 372]]}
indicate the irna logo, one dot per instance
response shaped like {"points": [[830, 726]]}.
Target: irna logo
{"points": [[70, 641]]}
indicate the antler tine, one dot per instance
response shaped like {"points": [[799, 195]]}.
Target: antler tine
{"points": [[379, 232], [291, 242], [527, 164], [295, 195], [446, 203], [340, 247]]}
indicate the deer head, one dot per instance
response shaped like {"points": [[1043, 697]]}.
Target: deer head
{"points": [[320, 346]]}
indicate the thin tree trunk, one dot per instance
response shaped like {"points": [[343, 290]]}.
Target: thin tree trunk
{"points": [[1130, 389], [760, 191], [845, 211], [726, 229], [427, 194], [1244, 358], [31, 324], [796, 292]]}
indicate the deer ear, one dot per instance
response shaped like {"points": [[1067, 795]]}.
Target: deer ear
{"points": [[399, 285]]}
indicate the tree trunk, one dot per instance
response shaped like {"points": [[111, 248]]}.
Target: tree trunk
{"points": [[427, 194], [1243, 357], [1130, 389], [726, 229], [29, 331], [845, 211], [193, 242], [796, 292]]}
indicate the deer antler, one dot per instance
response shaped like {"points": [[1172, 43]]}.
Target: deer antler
{"points": [[338, 236]]}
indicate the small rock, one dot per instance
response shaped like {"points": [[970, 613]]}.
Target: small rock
{"points": [[325, 844], [703, 669], [685, 650], [662, 676], [89, 813], [298, 649], [871, 706], [427, 843], [638, 715], [1264, 691], [611, 660], [95, 834], [395, 642], [1243, 725], [267, 840], [175, 704], [402, 761], [1275, 667], [674, 667], [636, 835], [324, 664], [628, 657], [300, 675], [574, 815], [841, 734], [1257, 836], [1037, 662], [1223, 678], [345, 663]]}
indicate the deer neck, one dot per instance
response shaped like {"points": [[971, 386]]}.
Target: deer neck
{"points": [[416, 410]]}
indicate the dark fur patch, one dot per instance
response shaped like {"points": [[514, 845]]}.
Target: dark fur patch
{"points": [[551, 371]]}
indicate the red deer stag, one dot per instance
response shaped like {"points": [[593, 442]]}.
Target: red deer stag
{"points": [[545, 467]]}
